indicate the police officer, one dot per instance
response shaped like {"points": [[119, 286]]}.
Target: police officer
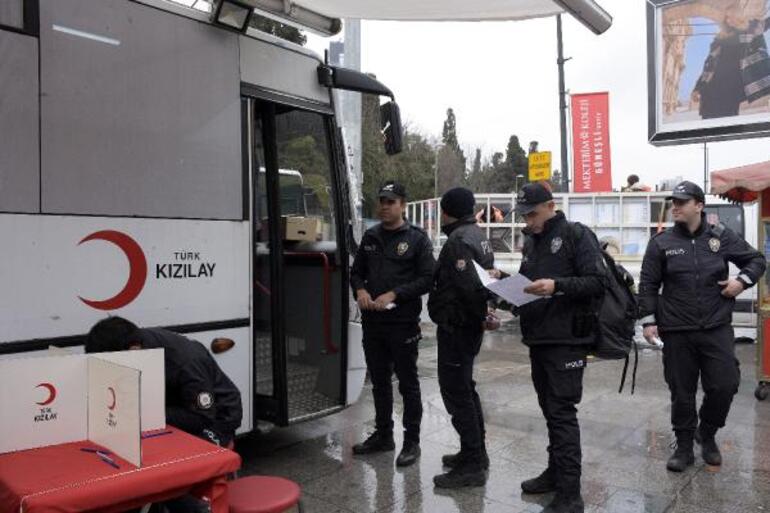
{"points": [[458, 305], [392, 269], [200, 398], [693, 318], [564, 262]]}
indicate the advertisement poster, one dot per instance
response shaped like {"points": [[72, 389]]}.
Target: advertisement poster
{"points": [[592, 165], [709, 67]]}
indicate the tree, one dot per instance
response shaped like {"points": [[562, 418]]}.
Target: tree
{"points": [[303, 154], [278, 29], [556, 180], [477, 162], [413, 167], [373, 157], [477, 178], [451, 159], [451, 169], [516, 158], [449, 132]]}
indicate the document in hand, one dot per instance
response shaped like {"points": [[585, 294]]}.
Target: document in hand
{"points": [[510, 289]]}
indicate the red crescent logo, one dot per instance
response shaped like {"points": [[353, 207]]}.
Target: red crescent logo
{"points": [[137, 270], [51, 393], [112, 393]]}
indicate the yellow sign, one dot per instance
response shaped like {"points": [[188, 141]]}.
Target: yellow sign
{"points": [[540, 166]]}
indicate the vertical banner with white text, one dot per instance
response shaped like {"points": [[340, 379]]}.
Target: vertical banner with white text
{"points": [[592, 169]]}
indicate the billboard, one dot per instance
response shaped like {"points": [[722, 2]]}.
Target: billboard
{"points": [[708, 70], [592, 166]]}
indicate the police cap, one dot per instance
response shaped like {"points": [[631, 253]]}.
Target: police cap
{"points": [[687, 191], [530, 196]]}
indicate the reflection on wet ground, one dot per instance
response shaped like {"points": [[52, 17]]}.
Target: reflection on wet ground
{"points": [[625, 444]]}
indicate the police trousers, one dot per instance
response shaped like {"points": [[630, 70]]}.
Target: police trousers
{"points": [[389, 347], [710, 355], [457, 349], [557, 373]]}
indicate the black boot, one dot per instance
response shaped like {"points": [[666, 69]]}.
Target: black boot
{"points": [[683, 456], [452, 460], [468, 472], [544, 483], [377, 442], [409, 453], [704, 435], [566, 502]]}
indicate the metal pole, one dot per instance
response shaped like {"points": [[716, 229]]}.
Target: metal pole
{"points": [[705, 168], [562, 107]]}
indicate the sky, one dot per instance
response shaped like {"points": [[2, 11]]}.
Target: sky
{"points": [[501, 79], [696, 50]]}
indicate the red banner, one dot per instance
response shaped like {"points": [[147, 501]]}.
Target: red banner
{"points": [[591, 169]]}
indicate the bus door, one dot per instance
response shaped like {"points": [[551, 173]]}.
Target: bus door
{"points": [[299, 266]]}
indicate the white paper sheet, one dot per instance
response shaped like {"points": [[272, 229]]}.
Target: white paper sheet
{"points": [[511, 289], [484, 276]]}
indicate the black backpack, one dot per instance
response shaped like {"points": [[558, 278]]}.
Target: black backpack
{"points": [[615, 314]]}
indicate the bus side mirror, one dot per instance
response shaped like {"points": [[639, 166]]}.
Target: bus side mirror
{"points": [[390, 126], [352, 80]]}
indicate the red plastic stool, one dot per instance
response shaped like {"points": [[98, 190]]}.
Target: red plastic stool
{"points": [[263, 494]]}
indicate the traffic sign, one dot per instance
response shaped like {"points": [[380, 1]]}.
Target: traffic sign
{"points": [[540, 166]]}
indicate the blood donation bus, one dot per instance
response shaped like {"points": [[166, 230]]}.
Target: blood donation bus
{"points": [[159, 166]]}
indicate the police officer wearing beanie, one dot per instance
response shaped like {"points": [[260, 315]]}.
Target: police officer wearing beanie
{"points": [[564, 262], [458, 305], [392, 270], [693, 317]]}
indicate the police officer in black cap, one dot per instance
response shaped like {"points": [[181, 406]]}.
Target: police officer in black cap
{"points": [[458, 305], [391, 271], [564, 262], [693, 318]]}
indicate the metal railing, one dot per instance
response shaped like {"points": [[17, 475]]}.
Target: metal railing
{"points": [[629, 218]]}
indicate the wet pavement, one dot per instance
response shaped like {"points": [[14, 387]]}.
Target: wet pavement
{"points": [[625, 445]]}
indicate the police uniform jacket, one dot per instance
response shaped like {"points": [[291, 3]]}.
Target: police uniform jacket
{"points": [[200, 398], [400, 261], [569, 254], [458, 298], [689, 267]]}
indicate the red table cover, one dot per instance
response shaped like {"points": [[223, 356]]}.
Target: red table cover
{"points": [[64, 479]]}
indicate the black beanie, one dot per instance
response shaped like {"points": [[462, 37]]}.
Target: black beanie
{"points": [[458, 202]]}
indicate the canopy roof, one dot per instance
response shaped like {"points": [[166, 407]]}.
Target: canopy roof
{"points": [[741, 183], [588, 12], [434, 10]]}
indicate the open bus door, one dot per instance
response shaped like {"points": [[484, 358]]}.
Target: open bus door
{"points": [[300, 288]]}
